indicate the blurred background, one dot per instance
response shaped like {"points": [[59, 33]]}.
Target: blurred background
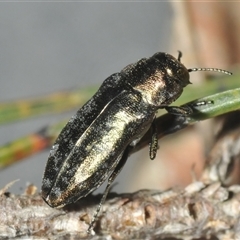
{"points": [[49, 47]]}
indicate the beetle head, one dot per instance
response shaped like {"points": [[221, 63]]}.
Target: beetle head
{"points": [[174, 75], [166, 78], [163, 79]]}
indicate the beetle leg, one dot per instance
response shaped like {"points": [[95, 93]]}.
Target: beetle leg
{"points": [[153, 145], [111, 179], [187, 109], [184, 110]]}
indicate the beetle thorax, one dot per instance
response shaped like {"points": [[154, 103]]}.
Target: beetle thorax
{"points": [[159, 88]]}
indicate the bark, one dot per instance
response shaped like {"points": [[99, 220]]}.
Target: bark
{"points": [[200, 211]]}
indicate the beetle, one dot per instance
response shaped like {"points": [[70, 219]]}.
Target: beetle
{"points": [[95, 143]]}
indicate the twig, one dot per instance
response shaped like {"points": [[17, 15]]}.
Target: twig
{"points": [[197, 211]]}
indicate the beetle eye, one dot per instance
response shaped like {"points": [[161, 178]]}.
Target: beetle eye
{"points": [[183, 77], [180, 72]]}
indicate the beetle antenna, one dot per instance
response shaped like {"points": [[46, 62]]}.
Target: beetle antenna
{"points": [[210, 69], [179, 56]]}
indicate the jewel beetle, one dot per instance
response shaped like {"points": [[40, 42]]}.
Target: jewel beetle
{"points": [[95, 143]]}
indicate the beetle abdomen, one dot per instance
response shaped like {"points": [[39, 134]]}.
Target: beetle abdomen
{"points": [[99, 148]]}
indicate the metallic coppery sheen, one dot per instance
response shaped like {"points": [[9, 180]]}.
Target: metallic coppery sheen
{"points": [[95, 143], [118, 115]]}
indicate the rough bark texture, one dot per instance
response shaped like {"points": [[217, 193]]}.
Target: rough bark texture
{"points": [[199, 211]]}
